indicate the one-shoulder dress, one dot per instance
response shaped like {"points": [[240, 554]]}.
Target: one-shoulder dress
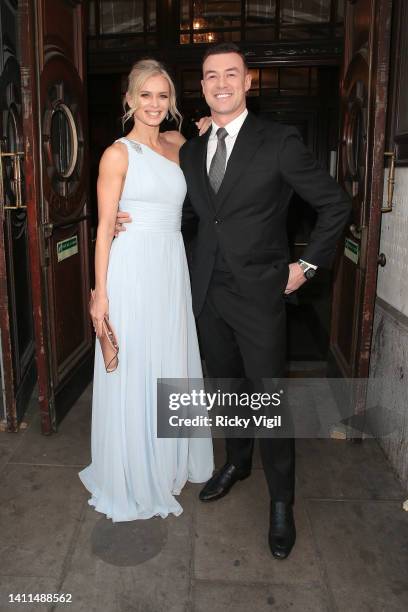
{"points": [[133, 473]]}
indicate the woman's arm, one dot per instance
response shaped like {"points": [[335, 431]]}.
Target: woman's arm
{"points": [[174, 137], [112, 170]]}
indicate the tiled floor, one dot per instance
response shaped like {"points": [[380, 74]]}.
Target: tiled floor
{"points": [[351, 553]]}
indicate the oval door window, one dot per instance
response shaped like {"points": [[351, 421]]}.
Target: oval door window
{"points": [[64, 141], [355, 140], [356, 132], [12, 144], [12, 131]]}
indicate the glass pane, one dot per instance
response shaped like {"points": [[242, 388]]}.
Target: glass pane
{"points": [[12, 146], [305, 11], [210, 37], [11, 131], [184, 14], [264, 34], [63, 140], [214, 14], [121, 16], [184, 39], [151, 16], [260, 13]]}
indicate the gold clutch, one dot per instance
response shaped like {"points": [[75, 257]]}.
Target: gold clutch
{"points": [[109, 343]]}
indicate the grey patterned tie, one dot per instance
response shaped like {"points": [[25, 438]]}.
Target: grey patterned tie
{"points": [[217, 166]]}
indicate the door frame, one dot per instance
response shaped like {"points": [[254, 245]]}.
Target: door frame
{"points": [[56, 394], [379, 57], [17, 360], [33, 174]]}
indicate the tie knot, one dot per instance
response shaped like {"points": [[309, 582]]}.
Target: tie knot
{"points": [[222, 133]]}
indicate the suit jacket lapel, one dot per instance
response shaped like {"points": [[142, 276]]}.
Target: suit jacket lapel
{"points": [[248, 140]]}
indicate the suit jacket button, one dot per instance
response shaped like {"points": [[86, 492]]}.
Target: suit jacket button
{"points": [[216, 221]]}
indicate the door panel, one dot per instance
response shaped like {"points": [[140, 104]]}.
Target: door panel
{"points": [[16, 321], [55, 90], [68, 277], [65, 184], [361, 172]]}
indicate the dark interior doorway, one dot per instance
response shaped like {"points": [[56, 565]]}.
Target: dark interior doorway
{"points": [[303, 96]]}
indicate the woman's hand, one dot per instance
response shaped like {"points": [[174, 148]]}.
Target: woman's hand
{"points": [[203, 124], [98, 308]]}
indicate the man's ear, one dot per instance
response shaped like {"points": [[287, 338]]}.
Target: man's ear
{"points": [[248, 81]]}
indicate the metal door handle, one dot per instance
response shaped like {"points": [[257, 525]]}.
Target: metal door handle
{"points": [[390, 183], [16, 180], [382, 260], [356, 231]]}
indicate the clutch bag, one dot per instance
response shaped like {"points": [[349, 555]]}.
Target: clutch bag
{"points": [[109, 344]]}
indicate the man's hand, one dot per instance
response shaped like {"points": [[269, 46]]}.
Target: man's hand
{"points": [[203, 124], [296, 278], [121, 218]]}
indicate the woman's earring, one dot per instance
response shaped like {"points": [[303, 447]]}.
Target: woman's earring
{"points": [[168, 116]]}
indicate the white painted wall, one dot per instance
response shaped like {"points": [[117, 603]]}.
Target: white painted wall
{"points": [[393, 278], [389, 353]]}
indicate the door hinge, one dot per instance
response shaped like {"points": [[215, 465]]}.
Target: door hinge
{"points": [[48, 228]]}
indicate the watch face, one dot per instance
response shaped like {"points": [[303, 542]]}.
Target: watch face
{"points": [[310, 273]]}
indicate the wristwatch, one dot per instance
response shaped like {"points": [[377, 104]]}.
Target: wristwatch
{"points": [[308, 269]]}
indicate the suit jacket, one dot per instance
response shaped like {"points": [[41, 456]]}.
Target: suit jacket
{"points": [[246, 219]]}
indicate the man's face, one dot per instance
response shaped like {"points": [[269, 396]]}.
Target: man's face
{"points": [[225, 83]]}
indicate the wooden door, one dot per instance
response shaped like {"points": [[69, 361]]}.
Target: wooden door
{"points": [[17, 364], [57, 167], [361, 172]]}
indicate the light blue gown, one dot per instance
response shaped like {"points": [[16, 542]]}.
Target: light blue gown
{"points": [[134, 474]]}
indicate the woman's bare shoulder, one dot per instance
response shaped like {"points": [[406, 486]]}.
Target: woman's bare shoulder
{"points": [[115, 156]]}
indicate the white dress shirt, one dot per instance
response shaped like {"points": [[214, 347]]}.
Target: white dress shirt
{"points": [[232, 128]]}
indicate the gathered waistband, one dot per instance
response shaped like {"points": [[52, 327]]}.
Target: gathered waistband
{"points": [[152, 216]]}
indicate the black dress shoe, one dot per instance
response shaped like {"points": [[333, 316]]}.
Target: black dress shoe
{"points": [[222, 481], [282, 530]]}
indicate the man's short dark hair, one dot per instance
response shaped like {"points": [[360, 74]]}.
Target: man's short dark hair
{"points": [[225, 47]]}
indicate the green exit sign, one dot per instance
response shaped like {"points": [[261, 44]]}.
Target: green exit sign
{"points": [[66, 248], [352, 250]]}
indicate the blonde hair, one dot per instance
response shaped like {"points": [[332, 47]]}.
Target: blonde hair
{"points": [[141, 71]]}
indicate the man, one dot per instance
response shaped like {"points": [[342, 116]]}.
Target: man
{"points": [[240, 177]]}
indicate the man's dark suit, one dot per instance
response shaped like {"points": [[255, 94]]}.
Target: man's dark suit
{"points": [[239, 268]]}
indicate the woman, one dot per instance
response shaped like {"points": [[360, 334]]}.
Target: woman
{"points": [[142, 282]]}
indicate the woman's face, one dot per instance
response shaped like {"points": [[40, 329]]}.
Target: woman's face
{"points": [[152, 103]]}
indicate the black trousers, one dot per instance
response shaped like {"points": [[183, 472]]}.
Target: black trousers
{"points": [[241, 338]]}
